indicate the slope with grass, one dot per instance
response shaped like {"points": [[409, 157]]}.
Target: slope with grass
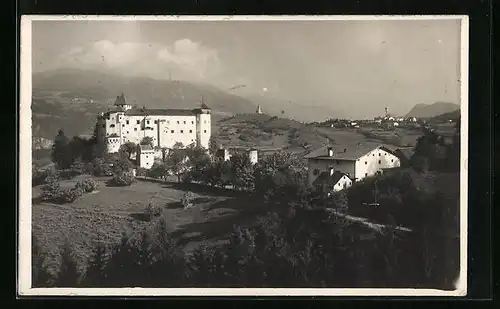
{"points": [[110, 211], [271, 132]]}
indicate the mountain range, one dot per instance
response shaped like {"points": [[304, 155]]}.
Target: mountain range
{"points": [[104, 87], [432, 110]]}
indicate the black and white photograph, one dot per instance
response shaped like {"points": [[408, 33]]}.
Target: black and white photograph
{"points": [[243, 155]]}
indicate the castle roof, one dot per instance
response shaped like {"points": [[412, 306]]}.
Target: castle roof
{"points": [[160, 112], [120, 100]]}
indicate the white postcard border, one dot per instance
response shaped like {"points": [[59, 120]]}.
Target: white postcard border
{"points": [[24, 214]]}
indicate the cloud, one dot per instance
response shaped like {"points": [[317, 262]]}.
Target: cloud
{"points": [[189, 59]]}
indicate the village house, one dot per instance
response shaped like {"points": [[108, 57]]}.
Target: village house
{"points": [[165, 127], [145, 156], [355, 161], [332, 181], [224, 153]]}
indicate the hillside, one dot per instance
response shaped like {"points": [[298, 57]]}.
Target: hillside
{"points": [[271, 132], [432, 110], [70, 99], [297, 110], [104, 87], [446, 117]]}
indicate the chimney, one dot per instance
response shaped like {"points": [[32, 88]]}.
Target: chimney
{"points": [[330, 151], [332, 170]]}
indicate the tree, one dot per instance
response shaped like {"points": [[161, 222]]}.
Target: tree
{"points": [[177, 163], [94, 275], [147, 140], [61, 153], [178, 145], [212, 146], [129, 148], [68, 275], [242, 171], [40, 274], [281, 170]]}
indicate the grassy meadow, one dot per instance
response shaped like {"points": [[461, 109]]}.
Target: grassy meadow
{"points": [[106, 213]]}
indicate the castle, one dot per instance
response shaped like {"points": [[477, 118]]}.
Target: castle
{"points": [[165, 127]]}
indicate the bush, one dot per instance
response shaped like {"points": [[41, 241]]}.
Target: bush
{"points": [[101, 168], [123, 178], [38, 176], [87, 185], [152, 210], [187, 200], [77, 168], [69, 195]]}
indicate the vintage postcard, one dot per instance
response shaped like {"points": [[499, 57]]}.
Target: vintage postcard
{"points": [[243, 155]]}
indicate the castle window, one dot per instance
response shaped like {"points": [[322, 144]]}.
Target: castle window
{"points": [[172, 131], [379, 162], [182, 131], [156, 121], [366, 174], [184, 122], [366, 162], [190, 131], [392, 160], [147, 122], [204, 131], [178, 122], [127, 132], [123, 125], [135, 129], [379, 154], [192, 122], [128, 122], [138, 122], [112, 125]]}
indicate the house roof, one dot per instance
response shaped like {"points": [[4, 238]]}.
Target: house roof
{"points": [[325, 178], [349, 152], [407, 153]]}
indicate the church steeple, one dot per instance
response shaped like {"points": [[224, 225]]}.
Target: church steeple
{"points": [[259, 110]]}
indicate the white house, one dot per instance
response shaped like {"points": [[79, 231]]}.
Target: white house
{"points": [[145, 156], [356, 161], [165, 127], [332, 181]]}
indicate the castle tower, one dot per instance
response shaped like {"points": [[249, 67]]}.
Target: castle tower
{"points": [[121, 103], [259, 110]]}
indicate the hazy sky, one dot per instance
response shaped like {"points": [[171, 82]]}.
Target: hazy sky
{"points": [[360, 66]]}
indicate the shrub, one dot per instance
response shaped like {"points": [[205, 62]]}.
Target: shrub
{"points": [[77, 168], [152, 210], [87, 185], [51, 190], [100, 168], [187, 200], [69, 195], [38, 177], [123, 178]]}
